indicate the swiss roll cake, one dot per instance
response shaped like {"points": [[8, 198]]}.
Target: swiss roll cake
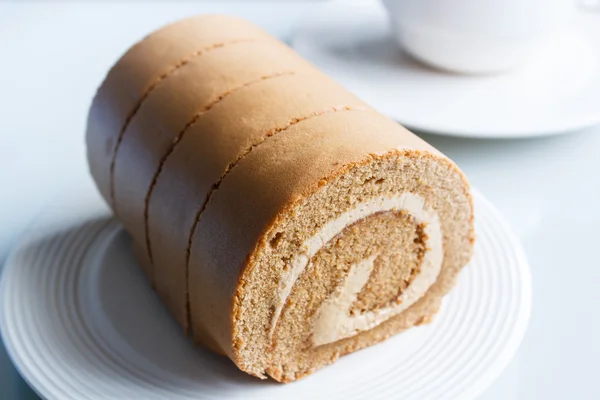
{"points": [[282, 221]]}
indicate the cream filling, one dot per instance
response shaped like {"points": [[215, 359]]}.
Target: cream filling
{"points": [[334, 321]]}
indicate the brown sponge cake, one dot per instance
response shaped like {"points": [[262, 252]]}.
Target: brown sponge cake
{"points": [[283, 222]]}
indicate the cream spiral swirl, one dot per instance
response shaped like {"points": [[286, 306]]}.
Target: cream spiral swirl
{"points": [[334, 321]]}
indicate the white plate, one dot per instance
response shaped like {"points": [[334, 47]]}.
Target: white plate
{"points": [[81, 322], [558, 91]]}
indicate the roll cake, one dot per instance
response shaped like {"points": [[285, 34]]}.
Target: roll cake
{"points": [[282, 221]]}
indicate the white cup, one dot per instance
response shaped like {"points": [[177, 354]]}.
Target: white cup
{"points": [[476, 36]]}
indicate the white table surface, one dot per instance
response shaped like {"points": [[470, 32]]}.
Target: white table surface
{"points": [[548, 189]]}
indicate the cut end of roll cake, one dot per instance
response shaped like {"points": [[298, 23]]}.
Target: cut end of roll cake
{"points": [[369, 253]]}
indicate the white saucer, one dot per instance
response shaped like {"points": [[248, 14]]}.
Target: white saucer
{"points": [[80, 322], [558, 91]]}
